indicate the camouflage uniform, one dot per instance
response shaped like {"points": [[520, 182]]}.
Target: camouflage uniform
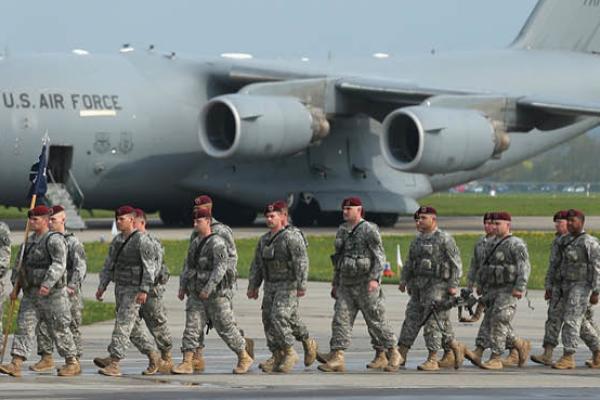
{"points": [[154, 312], [480, 252], [578, 275], [44, 264], [432, 268], [359, 258], [76, 271], [131, 266], [207, 269], [281, 261], [507, 269], [4, 263], [299, 329]]}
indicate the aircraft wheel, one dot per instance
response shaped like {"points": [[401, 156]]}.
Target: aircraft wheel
{"points": [[234, 214], [176, 217], [387, 220], [330, 218], [305, 214]]}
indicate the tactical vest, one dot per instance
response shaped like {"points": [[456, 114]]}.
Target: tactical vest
{"points": [[201, 268], [500, 269], [355, 263], [431, 262], [574, 262], [276, 263], [70, 263], [128, 267], [37, 260]]}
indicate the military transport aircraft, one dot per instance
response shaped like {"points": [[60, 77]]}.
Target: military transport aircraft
{"points": [[155, 130]]}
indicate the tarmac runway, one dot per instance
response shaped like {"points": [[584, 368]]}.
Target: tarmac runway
{"points": [[217, 382]]}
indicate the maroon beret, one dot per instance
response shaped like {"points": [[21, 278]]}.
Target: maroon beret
{"points": [[576, 213], [426, 210], [275, 207], [57, 209], [124, 210], [353, 201], [203, 200], [488, 216], [281, 205], [502, 216], [562, 214], [202, 212], [39, 211], [139, 213]]}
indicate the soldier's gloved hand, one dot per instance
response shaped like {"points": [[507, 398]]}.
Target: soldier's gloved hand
{"points": [[44, 291], [594, 298], [70, 291], [452, 291], [300, 293], [373, 285], [203, 295], [547, 294], [333, 293], [517, 294], [99, 294], [402, 287], [252, 294], [181, 294], [478, 291], [141, 298]]}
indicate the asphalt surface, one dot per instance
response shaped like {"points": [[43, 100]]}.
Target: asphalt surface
{"points": [[217, 382]]}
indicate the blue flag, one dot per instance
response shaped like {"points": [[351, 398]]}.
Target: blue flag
{"points": [[37, 175]]}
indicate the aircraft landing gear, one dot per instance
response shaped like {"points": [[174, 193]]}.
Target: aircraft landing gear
{"points": [[176, 216], [387, 220], [234, 214]]}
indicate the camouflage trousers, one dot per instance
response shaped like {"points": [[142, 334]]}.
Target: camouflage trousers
{"points": [[44, 338], [350, 300], [589, 331], [128, 327], [574, 307], [279, 313], [417, 309], [3, 295], [53, 310], [219, 311], [154, 314], [497, 322]]}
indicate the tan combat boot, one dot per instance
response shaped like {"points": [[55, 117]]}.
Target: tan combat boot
{"points": [[269, 363], [595, 361], [380, 361], [458, 351], [244, 362], [431, 364], [249, 347], [14, 367], [546, 357], [324, 358], [335, 364], [394, 360], [495, 362], [198, 364], [71, 367], [46, 364], [475, 355], [447, 360], [311, 348], [523, 347], [289, 359], [567, 361], [185, 367], [512, 360], [112, 369], [153, 364], [102, 362], [403, 350], [166, 362]]}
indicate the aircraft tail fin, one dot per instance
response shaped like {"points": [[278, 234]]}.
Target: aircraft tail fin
{"points": [[570, 25]]}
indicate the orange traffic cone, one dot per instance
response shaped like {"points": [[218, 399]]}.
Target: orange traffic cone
{"points": [[387, 270]]}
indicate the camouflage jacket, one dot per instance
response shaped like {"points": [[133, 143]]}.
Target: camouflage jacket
{"points": [[206, 266], [162, 274], [130, 262], [359, 255], [507, 264], [432, 257], [226, 233], [580, 260], [479, 254], [44, 262], [281, 260], [4, 249], [553, 273], [76, 261]]}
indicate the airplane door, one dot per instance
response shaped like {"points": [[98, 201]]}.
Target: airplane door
{"points": [[59, 162]]}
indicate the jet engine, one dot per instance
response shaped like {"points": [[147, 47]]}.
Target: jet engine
{"points": [[253, 126], [431, 140]]}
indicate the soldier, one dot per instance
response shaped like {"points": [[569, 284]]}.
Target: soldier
{"points": [[153, 311], [358, 265], [207, 282], [431, 275], [130, 264], [76, 271], [4, 263], [579, 279], [504, 275], [43, 280]]}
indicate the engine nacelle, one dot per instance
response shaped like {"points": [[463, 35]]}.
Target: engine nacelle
{"points": [[250, 126], [432, 140]]}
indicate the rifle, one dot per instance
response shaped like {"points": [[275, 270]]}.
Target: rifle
{"points": [[467, 301]]}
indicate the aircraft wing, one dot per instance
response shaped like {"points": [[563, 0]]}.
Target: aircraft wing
{"points": [[561, 106]]}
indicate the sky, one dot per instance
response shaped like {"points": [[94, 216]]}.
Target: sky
{"points": [[265, 28]]}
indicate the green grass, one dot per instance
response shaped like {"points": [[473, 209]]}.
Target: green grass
{"points": [[465, 204], [93, 311]]}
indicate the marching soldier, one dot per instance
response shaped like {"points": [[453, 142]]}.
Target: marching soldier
{"points": [[4, 264], [578, 275], [431, 275], [358, 265], [130, 264], [76, 271], [504, 275], [42, 277], [153, 311], [207, 282]]}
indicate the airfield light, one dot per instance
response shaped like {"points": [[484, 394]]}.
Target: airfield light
{"points": [[237, 56], [81, 52], [305, 59], [126, 48], [381, 55]]}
